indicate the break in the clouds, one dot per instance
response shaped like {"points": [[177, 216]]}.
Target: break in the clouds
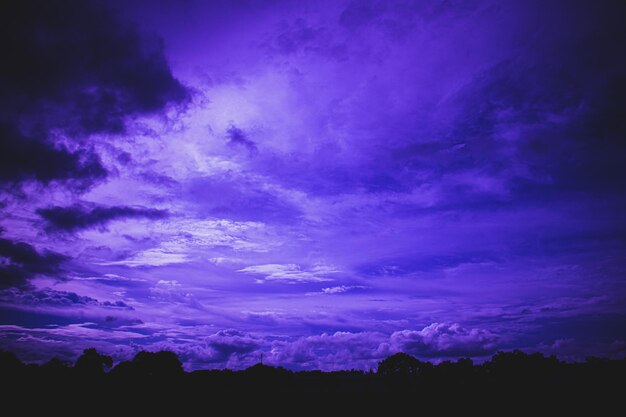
{"points": [[318, 184]]}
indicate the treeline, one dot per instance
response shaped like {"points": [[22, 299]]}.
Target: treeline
{"points": [[162, 373]]}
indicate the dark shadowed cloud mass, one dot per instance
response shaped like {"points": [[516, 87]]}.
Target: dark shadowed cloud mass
{"points": [[320, 183], [78, 217]]}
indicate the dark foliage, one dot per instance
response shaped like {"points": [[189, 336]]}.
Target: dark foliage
{"points": [[92, 364], [155, 379]]}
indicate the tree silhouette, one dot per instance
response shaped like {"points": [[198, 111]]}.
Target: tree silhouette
{"points": [[399, 364], [157, 364], [155, 377], [55, 365], [91, 363], [9, 363]]}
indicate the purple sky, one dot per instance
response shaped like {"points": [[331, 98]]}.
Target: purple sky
{"points": [[318, 183]]}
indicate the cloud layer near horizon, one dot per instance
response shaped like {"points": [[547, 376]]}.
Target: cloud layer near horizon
{"points": [[321, 183]]}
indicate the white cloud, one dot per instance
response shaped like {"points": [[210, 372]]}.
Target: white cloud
{"points": [[340, 289], [109, 277], [186, 240], [152, 257], [291, 273], [168, 283]]}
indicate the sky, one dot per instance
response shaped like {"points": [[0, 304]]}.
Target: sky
{"points": [[313, 184]]}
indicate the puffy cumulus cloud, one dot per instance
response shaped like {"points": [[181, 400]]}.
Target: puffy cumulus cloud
{"points": [[20, 261], [226, 343], [333, 351], [235, 349], [363, 350], [226, 348], [78, 217], [340, 350], [171, 291], [444, 340], [291, 273]]}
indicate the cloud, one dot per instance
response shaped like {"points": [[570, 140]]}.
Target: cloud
{"points": [[379, 151], [152, 257], [78, 217], [241, 197], [227, 343], [69, 70], [444, 339], [171, 291], [28, 158], [20, 261], [563, 97], [290, 273], [340, 289], [110, 279], [406, 265], [238, 349], [54, 298], [188, 240], [168, 283], [330, 351], [237, 137], [300, 38]]}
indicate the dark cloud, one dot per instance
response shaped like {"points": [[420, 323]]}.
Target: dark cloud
{"points": [[237, 137], [70, 69], [25, 158], [78, 217], [556, 107], [50, 297], [20, 261]]}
